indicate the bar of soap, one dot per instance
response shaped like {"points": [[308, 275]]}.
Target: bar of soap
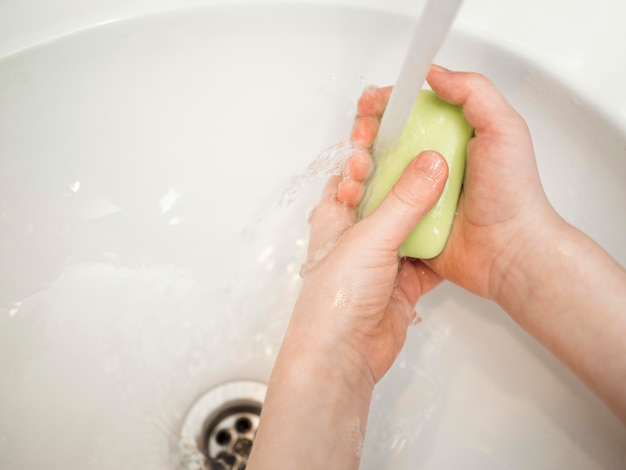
{"points": [[433, 125]]}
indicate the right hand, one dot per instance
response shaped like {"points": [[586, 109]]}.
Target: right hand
{"points": [[503, 206]]}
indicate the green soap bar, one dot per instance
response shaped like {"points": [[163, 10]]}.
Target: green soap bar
{"points": [[433, 125]]}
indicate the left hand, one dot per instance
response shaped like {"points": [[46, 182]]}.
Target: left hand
{"points": [[357, 295]]}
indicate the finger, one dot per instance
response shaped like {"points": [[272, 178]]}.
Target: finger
{"points": [[373, 101], [359, 166], [415, 279], [364, 131], [478, 97], [370, 108], [357, 170], [330, 217], [502, 148], [409, 200], [350, 192]]}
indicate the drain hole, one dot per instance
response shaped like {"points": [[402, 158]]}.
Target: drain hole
{"points": [[243, 425], [225, 460], [223, 424], [230, 434], [223, 437]]}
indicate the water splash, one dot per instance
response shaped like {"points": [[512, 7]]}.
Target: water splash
{"points": [[190, 457], [328, 163]]}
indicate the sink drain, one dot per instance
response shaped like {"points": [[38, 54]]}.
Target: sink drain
{"points": [[222, 424]]}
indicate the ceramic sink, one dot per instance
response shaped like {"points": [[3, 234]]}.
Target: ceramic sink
{"points": [[145, 256]]}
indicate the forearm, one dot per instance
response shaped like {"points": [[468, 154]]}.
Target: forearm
{"points": [[316, 408], [568, 293]]}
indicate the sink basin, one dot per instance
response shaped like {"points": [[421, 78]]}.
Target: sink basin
{"points": [[144, 257]]}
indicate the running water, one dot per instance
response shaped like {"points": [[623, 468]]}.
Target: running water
{"points": [[430, 32]]}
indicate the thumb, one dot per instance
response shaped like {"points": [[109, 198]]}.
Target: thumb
{"points": [[409, 200]]}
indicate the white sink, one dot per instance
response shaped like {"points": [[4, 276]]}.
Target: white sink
{"points": [[136, 159]]}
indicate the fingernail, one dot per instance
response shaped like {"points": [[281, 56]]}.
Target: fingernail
{"points": [[438, 68], [432, 165]]}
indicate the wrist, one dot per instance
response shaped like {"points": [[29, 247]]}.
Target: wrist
{"points": [[316, 384], [568, 293], [317, 349], [529, 261]]}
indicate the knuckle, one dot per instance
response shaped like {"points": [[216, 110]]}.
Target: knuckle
{"points": [[406, 195], [478, 81], [368, 97]]}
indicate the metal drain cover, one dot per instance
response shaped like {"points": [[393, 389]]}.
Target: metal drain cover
{"points": [[222, 424]]}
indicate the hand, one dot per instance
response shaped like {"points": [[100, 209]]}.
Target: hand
{"points": [[360, 294], [355, 305], [508, 243], [502, 202]]}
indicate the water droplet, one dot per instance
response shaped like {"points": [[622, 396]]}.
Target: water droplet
{"points": [[14, 308], [175, 221], [71, 189], [74, 187], [265, 255], [169, 200]]}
